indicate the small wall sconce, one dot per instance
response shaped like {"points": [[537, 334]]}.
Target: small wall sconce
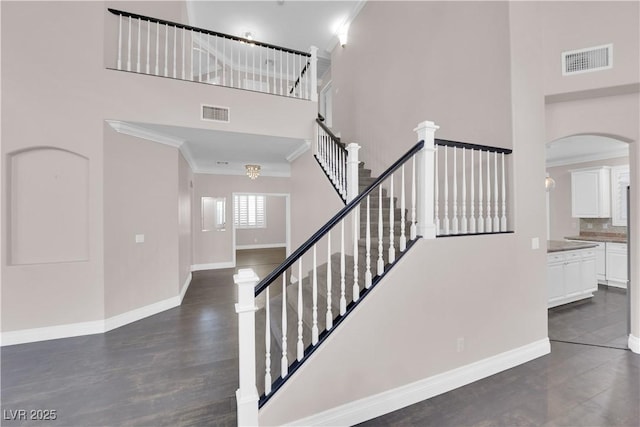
{"points": [[549, 183], [343, 34]]}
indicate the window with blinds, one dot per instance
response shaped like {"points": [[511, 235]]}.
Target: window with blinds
{"points": [[249, 211]]}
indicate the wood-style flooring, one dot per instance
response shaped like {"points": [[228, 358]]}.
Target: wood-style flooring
{"points": [[179, 368]]}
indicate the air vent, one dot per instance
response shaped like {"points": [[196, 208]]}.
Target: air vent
{"points": [[586, 60], [214, 113]]}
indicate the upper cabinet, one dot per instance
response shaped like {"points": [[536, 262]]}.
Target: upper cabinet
{"points": [[591, 192], [619, 183]]}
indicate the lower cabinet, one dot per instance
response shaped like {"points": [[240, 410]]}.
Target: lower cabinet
{"points": [[617, 264], [571, 276]]}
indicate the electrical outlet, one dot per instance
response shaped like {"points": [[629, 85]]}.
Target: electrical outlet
{"points": [[535, 243], [460, 344], [139, 238], [605, 226], [589, 225]]}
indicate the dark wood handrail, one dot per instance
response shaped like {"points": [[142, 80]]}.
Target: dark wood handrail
{"points": [[202, 30], [331, 135], [469, 146], [302, 73], [291, 259]]}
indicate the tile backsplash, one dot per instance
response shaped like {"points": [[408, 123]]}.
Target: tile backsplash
{"points": [[600, 225]]}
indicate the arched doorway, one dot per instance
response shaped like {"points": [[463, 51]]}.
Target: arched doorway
{"points": [[580, 169]]}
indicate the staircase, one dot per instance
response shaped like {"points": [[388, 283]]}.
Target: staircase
{"points": [[275, 314]]}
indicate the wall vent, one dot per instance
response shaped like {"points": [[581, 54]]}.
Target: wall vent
{"points": [[215, 113], [586, 60]]}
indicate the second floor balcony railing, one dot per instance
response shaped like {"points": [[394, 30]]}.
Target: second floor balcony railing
{"points": [[162, 48]]}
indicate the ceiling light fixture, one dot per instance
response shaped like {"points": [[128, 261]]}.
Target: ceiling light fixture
{"points": [[248, 35], [253, 171]]}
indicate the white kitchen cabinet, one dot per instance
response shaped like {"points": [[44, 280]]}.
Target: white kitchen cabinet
{"points": [[619, 183], [571, 276], [600, 262], [591, 192], [617, 264]]}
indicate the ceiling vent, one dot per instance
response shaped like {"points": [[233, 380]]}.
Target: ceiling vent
{"points": [[586, 60], [214, 113]]}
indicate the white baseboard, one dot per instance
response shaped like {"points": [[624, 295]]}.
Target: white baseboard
{"points": [[392, 400], [187, 282], [634, 344], [213, 266], [140, 313], [262, 246], [94, 327], [23, 336]]}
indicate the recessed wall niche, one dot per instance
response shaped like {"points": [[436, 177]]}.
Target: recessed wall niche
{"points": [[48, 206]]}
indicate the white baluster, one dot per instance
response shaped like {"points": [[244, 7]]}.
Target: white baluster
{"points": [[403, 238], [480, 207], [356, 231], [246, 67], [300, 346], [503, 219], [267, 344], [139, 31], [343, 300], [129, 47], [284, 363], [148, 45], [216, 61], [454, 224], [157, 73], [496, 218], [392, 249], [166, 50], [224, 61], [436, 191], [380, 232], [487, 220], [253, 68], [367, 274], [281, 77], [231, 43], [200, 47], [184, 71], [463, 218], [287, 86], [175, 52], [329, 317], [472, 222], [119, 63], [446, 191], [314, 310], [412, 229]]}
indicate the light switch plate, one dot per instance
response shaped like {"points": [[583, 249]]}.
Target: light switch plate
{"points": [[139, 238], [535, 243]]}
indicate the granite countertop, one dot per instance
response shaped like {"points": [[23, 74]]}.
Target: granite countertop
{"points": [[600, 237], [561, 245]]}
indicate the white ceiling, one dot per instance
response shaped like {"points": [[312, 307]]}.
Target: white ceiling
{"points": [[221, 152], [584, 148], [295, 24]]}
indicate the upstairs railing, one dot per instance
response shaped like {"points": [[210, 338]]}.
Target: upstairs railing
{"points": [[168, 49], [470, 188], [305, 289], [338, 160]]}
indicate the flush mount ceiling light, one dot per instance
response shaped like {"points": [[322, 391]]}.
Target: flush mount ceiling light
{"points": [[253, 171], [248, 35]]}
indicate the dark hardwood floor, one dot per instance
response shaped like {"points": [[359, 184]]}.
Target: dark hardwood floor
{"points": [[179, 368]]}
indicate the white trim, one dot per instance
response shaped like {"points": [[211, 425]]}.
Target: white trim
{"points": [[213, 266], [299, 151], [185, 287], [634, 344], [392, 400], [262, 246], [140, 132], [623, 152], [89, 328], [140, 313], [52, 332]]}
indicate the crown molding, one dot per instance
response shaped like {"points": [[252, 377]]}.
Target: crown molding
{"points": [[140, 132], [299, 151]]}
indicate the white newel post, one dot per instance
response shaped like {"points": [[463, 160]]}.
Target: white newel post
{"points": [[247, 394], [313, 96], [352, 171], [425, 165]]}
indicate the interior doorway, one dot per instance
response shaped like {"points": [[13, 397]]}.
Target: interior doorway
{"points": [[587, 218]]}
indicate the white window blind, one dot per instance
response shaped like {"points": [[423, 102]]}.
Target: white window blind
{"points": [[249, 211]]}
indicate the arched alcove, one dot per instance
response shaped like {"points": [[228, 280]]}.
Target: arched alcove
{"points": [[48, 206]]}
